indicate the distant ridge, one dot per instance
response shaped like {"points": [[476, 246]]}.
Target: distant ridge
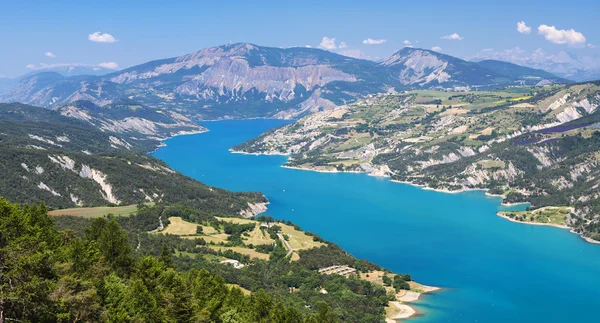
{"points": [[245, 80]]}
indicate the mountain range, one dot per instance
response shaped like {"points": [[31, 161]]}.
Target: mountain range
{"points": [[244, 80]]}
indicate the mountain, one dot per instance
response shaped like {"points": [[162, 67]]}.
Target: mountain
{"points": [[71, 69], [6, 84], [423, 68], [575, 67], [584, 75], [245, 80], [66, 70], [426, 68], [526, 74], [529, 144]]}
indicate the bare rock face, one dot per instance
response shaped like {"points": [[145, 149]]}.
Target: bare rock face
{"points": [[245, 80], [131, 119], [420, 67], [254, 209]]}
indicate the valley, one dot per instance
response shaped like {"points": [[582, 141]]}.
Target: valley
{"points": [[88, 167], [299, 162]]}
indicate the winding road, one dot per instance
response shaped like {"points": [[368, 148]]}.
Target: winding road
{"points": [[287, 244]]}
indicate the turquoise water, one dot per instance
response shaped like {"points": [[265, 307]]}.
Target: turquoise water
{"points": [[493, 270]]}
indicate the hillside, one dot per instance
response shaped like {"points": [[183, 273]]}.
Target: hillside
{"points": [[537, 145], [67, 162], [131, 119], [245, 80], [147, 262], [113, 269]]}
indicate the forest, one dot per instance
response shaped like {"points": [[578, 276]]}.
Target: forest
{"points": [[110, 269]]}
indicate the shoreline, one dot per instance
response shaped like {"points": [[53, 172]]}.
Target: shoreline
{"points": [[256, 154], [402, 303], [406, 311], [320, 170], [589, 240], [424, 187], [559, 226], [185, 133]]}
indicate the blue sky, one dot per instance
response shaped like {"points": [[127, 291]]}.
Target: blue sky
{"points": [[147, 30]]}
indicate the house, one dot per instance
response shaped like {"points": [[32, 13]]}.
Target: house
{"points": [[236, 264]]}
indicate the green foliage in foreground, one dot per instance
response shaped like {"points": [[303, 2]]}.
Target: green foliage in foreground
{"points": [[352, 299], [52, 276]]}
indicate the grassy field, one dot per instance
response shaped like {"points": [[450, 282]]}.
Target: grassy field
{"points": [[236, 220], [97, 212], [187, 230], [297, 239], [258, 237], [245, 251], [179, 226], [245, 291], [550, 215]]}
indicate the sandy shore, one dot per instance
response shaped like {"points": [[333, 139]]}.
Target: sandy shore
{"points": [[587, 239], [410, 296], [405, 311]]}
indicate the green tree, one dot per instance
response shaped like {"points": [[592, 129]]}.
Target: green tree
{"points": [[165, 256], [325, 314], [114, 246], [387, 281], [28, 242]]}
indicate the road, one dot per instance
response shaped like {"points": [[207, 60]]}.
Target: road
{"points": [[287, 244]]}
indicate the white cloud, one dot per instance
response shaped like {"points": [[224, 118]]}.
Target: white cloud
{"points": [[406, 42], [109, 65], [591, 45], [49, 54], [328, 43], [308, 46], [523, 28], [99, 37], [454, 36], [561, 36], [370, 41], [30, 66], [436, 48], [343, 45]]}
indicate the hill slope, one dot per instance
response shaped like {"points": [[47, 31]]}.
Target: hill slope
{"points": [[539, 145], [65, 162]]}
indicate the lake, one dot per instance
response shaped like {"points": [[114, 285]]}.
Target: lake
{"points": [[491, 269]]}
